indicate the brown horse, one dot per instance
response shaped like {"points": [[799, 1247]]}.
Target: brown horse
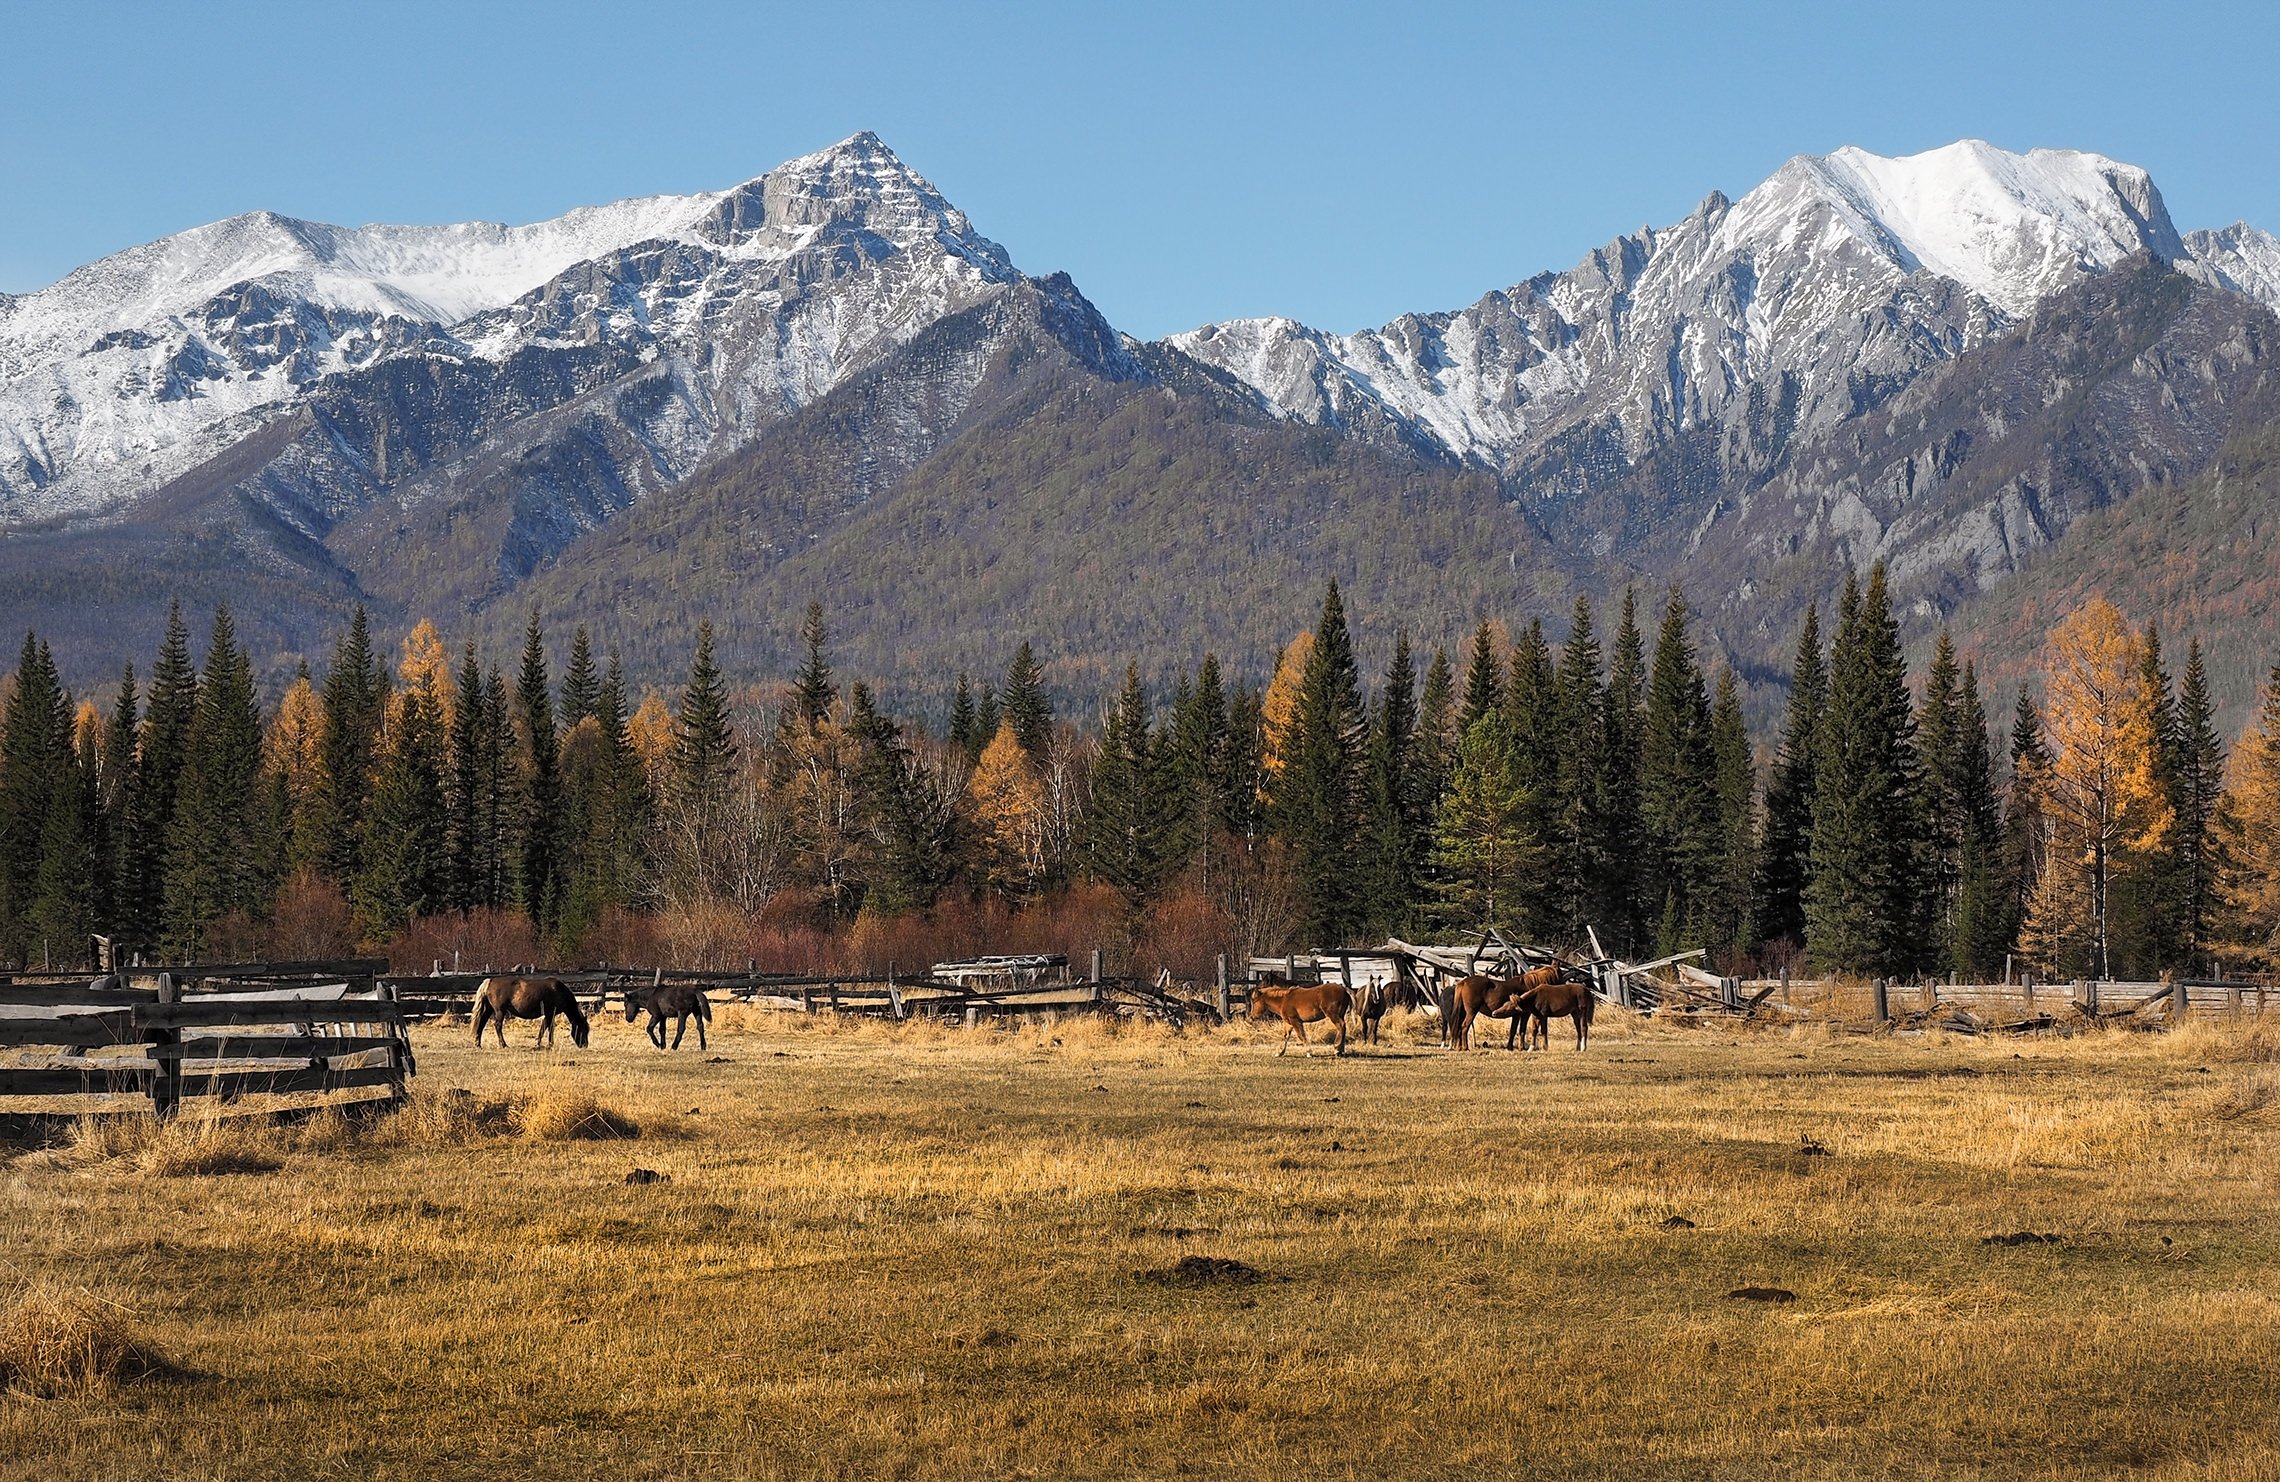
{"points": [[680, 1001], [504, 998], [1566, 997], [1497, 998], [1298, 1007]]}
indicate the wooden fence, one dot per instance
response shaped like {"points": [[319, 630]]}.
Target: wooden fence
{"points": [[112, 1044]]}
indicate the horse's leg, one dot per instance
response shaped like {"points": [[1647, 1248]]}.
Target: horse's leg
{"points": [[656, 1031], [680, 1027], [701, 1045]]}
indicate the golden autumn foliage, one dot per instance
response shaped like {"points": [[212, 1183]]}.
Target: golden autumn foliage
{"points": [[2250, 884], [2102, 797], [294, 746], [426, 659], [1281, 702], [1008, 802], [650, 729]]}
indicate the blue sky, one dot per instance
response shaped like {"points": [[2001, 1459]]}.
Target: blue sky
{"points": [[1183, 161]]}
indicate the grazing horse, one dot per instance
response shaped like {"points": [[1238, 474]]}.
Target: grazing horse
{"points": [[682, 1001], [1479, 995], [1298, 1007], [504, 998], [1565, 997]]}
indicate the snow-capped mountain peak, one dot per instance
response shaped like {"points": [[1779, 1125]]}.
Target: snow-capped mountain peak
{"points": [[134, 368], [2012, 228], [1814, 294]]}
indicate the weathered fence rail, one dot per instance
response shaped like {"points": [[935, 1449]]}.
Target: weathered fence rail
{"points": [[101, 1045]]}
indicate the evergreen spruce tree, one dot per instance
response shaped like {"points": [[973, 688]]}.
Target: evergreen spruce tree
{"points": [[63, 916], [122, 811], [911, 824], [1242, 780], [1485, 853], [35, 781], [2197, 798], [625, 824], [402, 853], [703, 762], [1531, 698], [1391, 829], [1317, 796], [1940, 761], [1436, 739], [581, 683], [1981, 933], [158, 780], [2146, 908], [1196, 766], [1678, 803], [962, 720], [1024, 704], [1125, 823], [2026, 824], [1784, 855], [1619, 911], [1484, 680], [497, 805], [1862, 904], [1573, 839], [465, 775], [1730, 912], [813, 687], [538, 758], [356, 702], [212, 856]]}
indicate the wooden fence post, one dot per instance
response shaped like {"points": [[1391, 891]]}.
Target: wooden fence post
{"points": [[1223, 1004], [1883, 1007], [1785, 987], [166, 1070], [2178, 1000]]}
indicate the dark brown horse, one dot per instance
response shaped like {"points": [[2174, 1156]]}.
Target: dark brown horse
{"points": [[504, 998], [1567, 996], [682, 1001], [1497, 998], [1299, 1006]]}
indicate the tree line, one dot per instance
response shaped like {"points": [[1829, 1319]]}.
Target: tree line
{"points": [[1564, 793]]}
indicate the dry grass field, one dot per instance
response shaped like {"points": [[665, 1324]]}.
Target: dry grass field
{"points": [[920, 1253]]}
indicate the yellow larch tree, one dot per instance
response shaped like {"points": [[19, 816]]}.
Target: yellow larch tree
{"points": [[2250, 819], [425, 659], [1008, 802], [650, 729], [2103, 796], [294, 747], [1281, 702]]}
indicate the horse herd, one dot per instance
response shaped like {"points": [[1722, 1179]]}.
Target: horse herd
{"points": [[1536, 997], [547, 999]]}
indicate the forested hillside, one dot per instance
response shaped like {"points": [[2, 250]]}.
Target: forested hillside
{"points": [[449, 803]]}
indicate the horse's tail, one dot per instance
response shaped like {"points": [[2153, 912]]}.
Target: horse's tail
{"points": [[481, 1014], [704, 1007]]}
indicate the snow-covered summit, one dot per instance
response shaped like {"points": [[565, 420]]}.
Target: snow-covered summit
{"points": [[134, 368], [1827, 285]]}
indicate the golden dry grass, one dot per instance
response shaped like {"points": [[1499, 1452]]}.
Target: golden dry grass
{"points": [[935, 1253], [60, 1341]]}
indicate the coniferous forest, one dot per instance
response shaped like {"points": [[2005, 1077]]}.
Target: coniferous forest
{"points": [[438, 805]]}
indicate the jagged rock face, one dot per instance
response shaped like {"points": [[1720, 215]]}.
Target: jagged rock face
{"points": [[1749, 326], [132, 372]]}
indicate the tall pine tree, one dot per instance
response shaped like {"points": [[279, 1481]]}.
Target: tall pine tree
{"points": [[1317, 795]]}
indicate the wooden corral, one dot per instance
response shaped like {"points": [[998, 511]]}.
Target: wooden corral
{"points": [[145, 1040]]}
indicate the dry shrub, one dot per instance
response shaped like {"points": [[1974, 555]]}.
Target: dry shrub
{"points": [[57, 1341], [1187, 931], [453, 1118], [620, 936], [189, 1146], [564, 1114], [311, 921], [2249, 1094], [704, 936], [483, 939]]}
